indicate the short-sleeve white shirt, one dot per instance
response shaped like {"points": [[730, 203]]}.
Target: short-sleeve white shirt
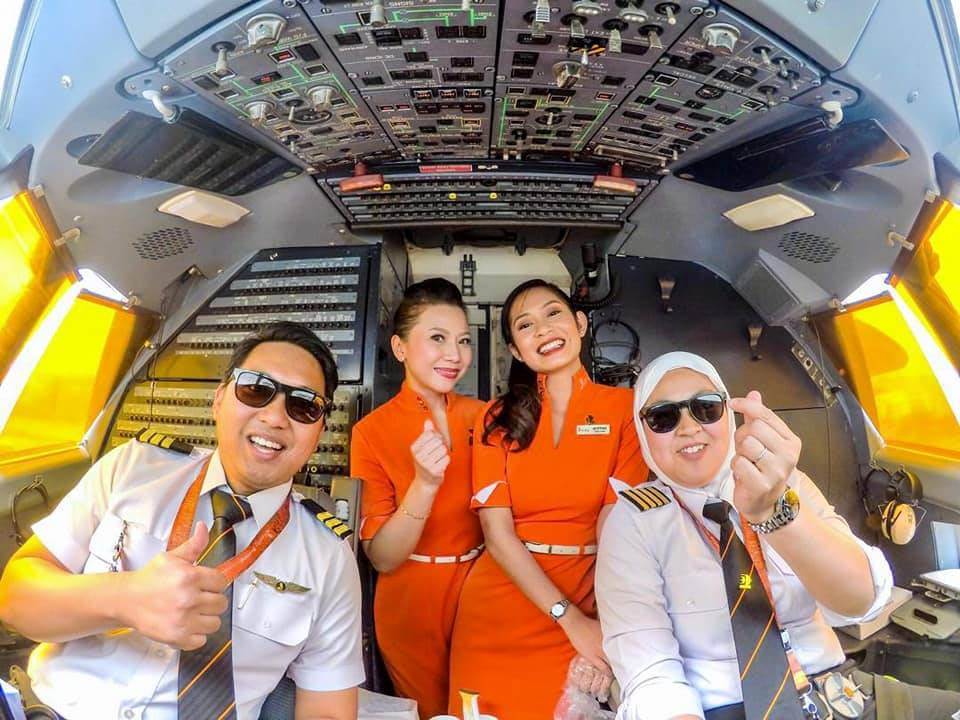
{"points": [[663, 607], [136, 489]]}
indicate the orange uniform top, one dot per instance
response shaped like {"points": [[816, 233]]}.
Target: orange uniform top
{"points": [[380, 456], [556, 492]]}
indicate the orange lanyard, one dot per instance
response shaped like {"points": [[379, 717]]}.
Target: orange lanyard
{"points": [[231, 567], [752, 543]]}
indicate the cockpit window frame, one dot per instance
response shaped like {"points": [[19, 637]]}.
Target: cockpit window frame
{"points": [[13, 74], [946, 14]]}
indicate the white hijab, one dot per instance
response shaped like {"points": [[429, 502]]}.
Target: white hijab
{"points": [[721, 485]]}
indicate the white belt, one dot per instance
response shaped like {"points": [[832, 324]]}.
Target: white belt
{"points": [[447, 559], [542, 549]]}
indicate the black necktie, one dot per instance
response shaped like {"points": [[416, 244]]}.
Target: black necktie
{"points": [[206, 675], [765, 677]]}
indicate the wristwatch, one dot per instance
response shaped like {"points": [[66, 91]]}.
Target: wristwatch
{"points": [[559, 609], [785, 512]]}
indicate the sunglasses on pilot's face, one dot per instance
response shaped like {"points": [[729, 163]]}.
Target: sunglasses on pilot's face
{"points": [[706, 409], [257, 390]]}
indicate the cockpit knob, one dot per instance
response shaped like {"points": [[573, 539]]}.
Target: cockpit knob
{"points": [[257, 110], [587, 8], [567, 73], [721, 36], [576, 28], [320, 97], [633, 14], [378, 16], [264, 30], [615, 42], [541, 13]]}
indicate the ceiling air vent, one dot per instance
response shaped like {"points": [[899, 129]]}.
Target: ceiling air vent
{"points": [[163, 243], [808, 247]]}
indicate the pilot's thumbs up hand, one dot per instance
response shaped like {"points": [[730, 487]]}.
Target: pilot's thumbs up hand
{"points": [[766, 452], [174, 601], [430, 455]]}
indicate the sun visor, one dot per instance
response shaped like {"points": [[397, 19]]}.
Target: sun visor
{"points": [[193, 151], [801, 150]]}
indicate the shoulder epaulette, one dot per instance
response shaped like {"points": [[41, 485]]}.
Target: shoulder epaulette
{"points": [[167, 442], [646, 498], [330, 521]]}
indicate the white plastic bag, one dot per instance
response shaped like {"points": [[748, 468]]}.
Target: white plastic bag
{"points": [[578, 702]]}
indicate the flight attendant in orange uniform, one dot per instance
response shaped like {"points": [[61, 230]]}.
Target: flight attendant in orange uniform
{"points": [[547, 458], [413, 455]]}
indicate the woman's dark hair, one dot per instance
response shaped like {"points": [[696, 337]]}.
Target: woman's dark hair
{"points": [[295, 334], [517, 411], [421, 295]]}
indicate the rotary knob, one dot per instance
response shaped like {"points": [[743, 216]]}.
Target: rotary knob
{"points": [[264, 30], [320, 97], [721, 36], [257, 110]]}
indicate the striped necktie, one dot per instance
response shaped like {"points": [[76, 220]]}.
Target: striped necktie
{"points": [[768, 689], [206, 689]]}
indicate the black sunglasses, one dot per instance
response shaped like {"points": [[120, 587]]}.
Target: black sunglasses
{"points": [[258, 390], [663, 417]]}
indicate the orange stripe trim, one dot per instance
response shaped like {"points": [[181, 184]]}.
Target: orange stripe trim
{"points": [[206, 667], [742, 593], [239, 506], [775, 697], [213, 544], [723, 555], [226, 712], [746, 668]]}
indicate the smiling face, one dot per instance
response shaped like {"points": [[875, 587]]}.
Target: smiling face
{"points": [[436, 351], [263, 447], [545, 334], [691, 454]]}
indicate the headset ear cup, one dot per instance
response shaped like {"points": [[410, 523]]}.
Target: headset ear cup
{"points": [[899, 523]]}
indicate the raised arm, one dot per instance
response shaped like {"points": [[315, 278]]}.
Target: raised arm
{"points": [[397, 527], [169, 600], [841, 573]]}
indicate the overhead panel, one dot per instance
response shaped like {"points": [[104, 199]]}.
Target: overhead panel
{"points": [[720, 73], [564, 68], [426, 70], [268, 67]]}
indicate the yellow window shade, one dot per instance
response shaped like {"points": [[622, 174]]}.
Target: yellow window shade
{"points": [[95, 344], [930, 283], [874, 349], [33, 276]]}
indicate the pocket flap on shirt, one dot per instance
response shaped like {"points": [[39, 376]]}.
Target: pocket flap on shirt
{"points": [[139, 546], [283, 617], [694, 592]]}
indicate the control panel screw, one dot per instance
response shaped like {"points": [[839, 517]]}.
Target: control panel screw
{"points": [[696, 10], [815, 5]]}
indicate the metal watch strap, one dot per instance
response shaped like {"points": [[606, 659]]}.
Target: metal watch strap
{"points": [[781, 517]]}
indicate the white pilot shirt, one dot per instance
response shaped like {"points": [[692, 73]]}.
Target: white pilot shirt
{"points": [[663, 606], [314, 637]]}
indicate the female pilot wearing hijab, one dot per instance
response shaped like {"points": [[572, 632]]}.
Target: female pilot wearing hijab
{"points": [[664, 592]]}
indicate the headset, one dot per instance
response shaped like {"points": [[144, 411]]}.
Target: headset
{"points": [[892, 501]]}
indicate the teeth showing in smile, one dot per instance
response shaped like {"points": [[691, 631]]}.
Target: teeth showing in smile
{"points": [[263, 442], [691, 449], [550, 346]]}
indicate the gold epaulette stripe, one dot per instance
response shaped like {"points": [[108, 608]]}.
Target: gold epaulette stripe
{"points": [[646, 498], [167, 442], [335, 524]]}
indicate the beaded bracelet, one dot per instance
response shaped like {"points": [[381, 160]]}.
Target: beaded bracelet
{"points": [[411, 515]]}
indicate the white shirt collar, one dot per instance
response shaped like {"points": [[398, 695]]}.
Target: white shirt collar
{"points": [[264, 503]]}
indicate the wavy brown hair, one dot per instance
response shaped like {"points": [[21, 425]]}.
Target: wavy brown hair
{"points": [[516, 413]]}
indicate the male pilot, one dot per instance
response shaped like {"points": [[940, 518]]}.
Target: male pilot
{"points": [[126, 583]]}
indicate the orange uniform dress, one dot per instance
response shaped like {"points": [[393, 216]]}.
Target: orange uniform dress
{"points": [[504, 646], [415, 605]]}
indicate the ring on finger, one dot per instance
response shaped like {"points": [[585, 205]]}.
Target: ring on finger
{"points": [[761, 455]]}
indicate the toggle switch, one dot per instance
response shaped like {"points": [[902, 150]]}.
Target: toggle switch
{"points": [[721, 36], [221, 49], [669, 11], [264, 30], [465, 5], [615, 42], [566, 73], [764, 53], [652, 34], [576, 28]]}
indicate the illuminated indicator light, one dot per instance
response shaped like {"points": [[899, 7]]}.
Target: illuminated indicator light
{"points": [[283, 56], [387, 186], [451, 196], [493, 196]]}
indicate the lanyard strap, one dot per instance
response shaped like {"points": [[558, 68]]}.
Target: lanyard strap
{"points": [[234, 566], [752, 544]]}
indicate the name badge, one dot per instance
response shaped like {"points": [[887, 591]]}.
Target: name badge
{"points": [[593, 429]]}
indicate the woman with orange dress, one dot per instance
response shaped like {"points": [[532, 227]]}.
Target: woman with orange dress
{"points": [[413, 456], [547, 458]]}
